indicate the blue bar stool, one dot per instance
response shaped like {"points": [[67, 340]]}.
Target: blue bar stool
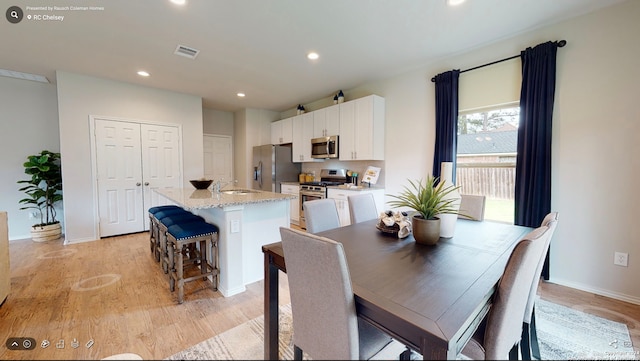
{"points": [[166, 222], [179, 235], [154, 213]]}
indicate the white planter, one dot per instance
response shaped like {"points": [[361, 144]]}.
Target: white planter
{"points": [[448, 221], [46, 233]]}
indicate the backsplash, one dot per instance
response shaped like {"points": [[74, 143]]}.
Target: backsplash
{"points": [[358, 166]]}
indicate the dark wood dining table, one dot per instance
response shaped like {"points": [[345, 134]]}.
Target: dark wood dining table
{"points": [[431, 298]]}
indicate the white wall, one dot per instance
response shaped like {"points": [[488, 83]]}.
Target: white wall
{"points": [[251, 127], [28, 125], [595, 141], [79, 97], [217, 122]]}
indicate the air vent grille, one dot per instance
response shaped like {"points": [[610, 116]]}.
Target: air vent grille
{"points": [[186, 51], [23, 76]]}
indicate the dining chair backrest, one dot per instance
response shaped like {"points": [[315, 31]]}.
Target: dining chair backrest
{"points": [[472, 207], [529, 339], [325, 322], [362, 207], [550, 221], [321, 215], [503, 325]]}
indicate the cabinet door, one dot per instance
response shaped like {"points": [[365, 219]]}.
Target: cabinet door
{"points": [[282, 131], [276, 132], [287, 130], [332, 120], [340, 197], [347, 130], [297, 146], [302, 134], [295, 203], [326, 121]]}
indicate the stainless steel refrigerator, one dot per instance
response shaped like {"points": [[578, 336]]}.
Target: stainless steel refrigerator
{"points": [[272, 165]]}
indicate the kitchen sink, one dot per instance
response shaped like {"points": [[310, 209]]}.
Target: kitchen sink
{"points": [[239, 191]]}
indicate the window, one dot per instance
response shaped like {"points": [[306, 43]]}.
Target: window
{"points": [[486, 157]]}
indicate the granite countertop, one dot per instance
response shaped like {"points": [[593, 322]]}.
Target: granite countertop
{"points": [[190, 198]]}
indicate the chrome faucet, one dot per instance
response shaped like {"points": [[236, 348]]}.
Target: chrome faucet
{"points": [[220, 183]]}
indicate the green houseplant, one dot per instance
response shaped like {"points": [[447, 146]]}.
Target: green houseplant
{"points": [[427, 199], [43, 191]]}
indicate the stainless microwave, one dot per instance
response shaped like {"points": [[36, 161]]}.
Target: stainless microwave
{"points": [[324, 147]]}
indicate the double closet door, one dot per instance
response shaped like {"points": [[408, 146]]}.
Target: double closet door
{"points": [[133, 159]]}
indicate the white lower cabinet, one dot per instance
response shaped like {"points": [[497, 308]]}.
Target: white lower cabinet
{"points": [[342, 202], [295, 203]]}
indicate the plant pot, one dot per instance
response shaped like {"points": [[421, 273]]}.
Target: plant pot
{"points": [[46, 233], [426, 231]]}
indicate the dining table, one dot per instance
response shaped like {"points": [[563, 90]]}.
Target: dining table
{"points": [[430, 298]]}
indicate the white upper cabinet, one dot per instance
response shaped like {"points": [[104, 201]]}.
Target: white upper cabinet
{"points": [[362, 129], [326, 121], [302, 134], [282, 131]]}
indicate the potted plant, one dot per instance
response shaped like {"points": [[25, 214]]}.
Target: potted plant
{"points": [[428, 200], [43, 190]]}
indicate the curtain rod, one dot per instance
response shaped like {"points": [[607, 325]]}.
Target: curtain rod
{"points": [[561, 44]]}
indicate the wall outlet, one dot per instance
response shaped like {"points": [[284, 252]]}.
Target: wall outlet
{"points": [[621, 259]]}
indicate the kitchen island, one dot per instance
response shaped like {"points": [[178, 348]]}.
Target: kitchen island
{"points": [[247, 220]]}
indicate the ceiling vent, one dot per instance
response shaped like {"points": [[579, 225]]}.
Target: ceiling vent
{"points": [[186, 51], [23, 76]]}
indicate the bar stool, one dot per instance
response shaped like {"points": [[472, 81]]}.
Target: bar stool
{"points": [[179, 235], [153, 223], [154, 241], [166, 222]]}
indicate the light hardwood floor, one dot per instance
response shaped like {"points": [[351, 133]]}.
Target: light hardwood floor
{"points": [[114, 292]]}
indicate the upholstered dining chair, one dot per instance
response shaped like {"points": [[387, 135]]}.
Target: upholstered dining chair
{"points": [[320, 215], [498, 336], [362, 207], [325, 322], [472, 207], [529, 342]]}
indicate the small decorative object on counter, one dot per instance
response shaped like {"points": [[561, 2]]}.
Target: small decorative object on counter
{"points": [[340, 97], [395, 223], [335, 99]]}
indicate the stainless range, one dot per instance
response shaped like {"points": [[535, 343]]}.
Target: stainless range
{"points": [[318, 190]]}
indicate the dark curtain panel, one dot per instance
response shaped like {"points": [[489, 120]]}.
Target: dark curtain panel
{"points": [[533, 164], [446, 120]]}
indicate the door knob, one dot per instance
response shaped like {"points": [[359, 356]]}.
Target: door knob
{"points": [[146, 183], [138, 184]]}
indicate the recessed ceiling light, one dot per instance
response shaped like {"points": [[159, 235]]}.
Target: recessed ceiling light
{"points": [[313, 55], [241, 95], [143, 73], [179, 2], [454, 2]]}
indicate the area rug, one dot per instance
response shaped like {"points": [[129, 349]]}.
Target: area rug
{"points": [[563, 333]]}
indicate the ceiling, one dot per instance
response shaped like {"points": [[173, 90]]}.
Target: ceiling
{"points": [[259, 47]]}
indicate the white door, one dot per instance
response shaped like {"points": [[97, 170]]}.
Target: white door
{"points": [[132, 159], [218, 157], [160, 163], [119, 178]]}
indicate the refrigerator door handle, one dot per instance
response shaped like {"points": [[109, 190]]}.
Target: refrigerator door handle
{"points": [[259, 174]]}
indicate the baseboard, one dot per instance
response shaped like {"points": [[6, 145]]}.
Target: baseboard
{"points": [[597, 291]]}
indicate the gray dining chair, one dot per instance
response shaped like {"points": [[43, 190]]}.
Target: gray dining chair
{"points": [[529, 341], [498, 336], [320, 215], [472, 207], [325, 322], [362, 207]]}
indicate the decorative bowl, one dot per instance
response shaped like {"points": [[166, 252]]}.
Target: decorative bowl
{"points": [[201, 183]]}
